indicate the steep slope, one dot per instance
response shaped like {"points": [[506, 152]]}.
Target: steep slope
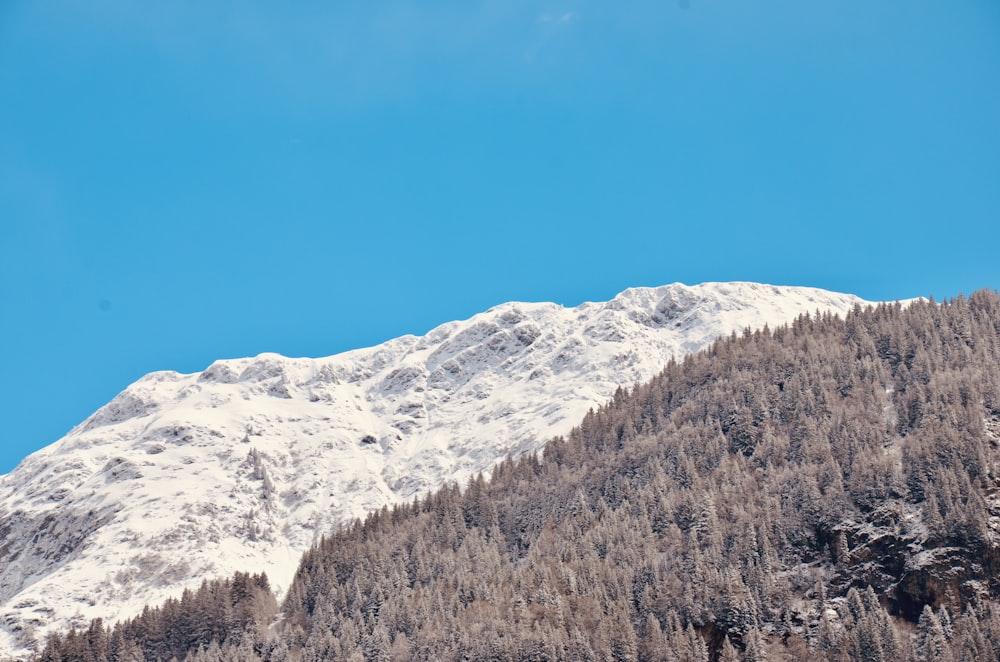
{"points": [[243, 466]]}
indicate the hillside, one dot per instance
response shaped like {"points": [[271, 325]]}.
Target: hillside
{"points": [[822, 491], [246, 465]]}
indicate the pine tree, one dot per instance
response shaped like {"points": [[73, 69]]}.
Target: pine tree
{"points": [[931, 641], [728, 652]]}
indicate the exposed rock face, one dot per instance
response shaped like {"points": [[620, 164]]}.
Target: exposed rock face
{"points": [[895, 555]]}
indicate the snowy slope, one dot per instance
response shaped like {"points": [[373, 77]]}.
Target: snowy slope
{"points": [[243, 466]]}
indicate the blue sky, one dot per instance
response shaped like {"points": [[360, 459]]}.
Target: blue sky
{"points": [[185, 181]]}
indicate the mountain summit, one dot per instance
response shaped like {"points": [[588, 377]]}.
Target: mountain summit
{"points": [[242, 467]]}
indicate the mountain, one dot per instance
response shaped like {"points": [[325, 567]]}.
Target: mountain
{"points": [[247, 464], [827, 490]]}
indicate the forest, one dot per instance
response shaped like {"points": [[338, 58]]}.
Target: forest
{"points": [[826, 490]]}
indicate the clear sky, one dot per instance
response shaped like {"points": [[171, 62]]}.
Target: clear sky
{"points": [[182, 181]]}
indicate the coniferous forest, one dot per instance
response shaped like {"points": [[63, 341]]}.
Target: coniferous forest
{"points": [[829, 490]]}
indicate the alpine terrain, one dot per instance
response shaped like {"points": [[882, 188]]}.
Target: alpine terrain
{"points": [[246, 465]]}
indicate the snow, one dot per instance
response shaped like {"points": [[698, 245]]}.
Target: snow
{"points": [[157, 490]]}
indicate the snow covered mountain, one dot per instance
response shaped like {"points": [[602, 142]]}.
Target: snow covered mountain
{"points": [[244, 466]]}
